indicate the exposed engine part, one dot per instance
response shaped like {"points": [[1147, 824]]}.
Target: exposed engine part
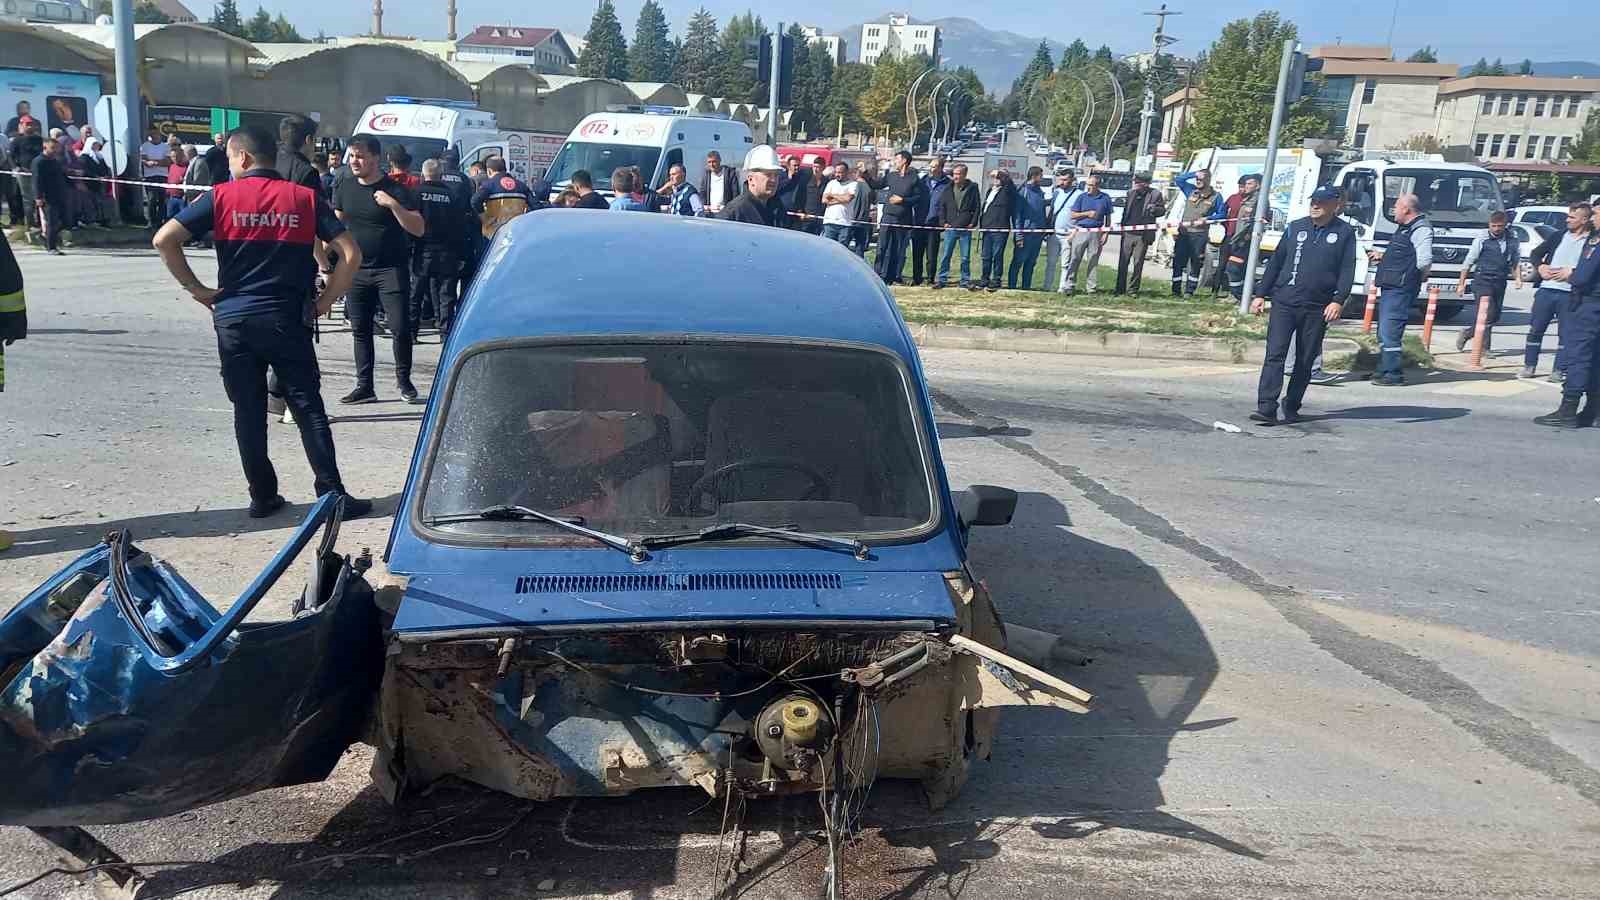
{"points": [[885, 672], [793, 732], [702, 648]]}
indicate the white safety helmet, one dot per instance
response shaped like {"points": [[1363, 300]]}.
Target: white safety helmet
{"points": [[762, 159]]}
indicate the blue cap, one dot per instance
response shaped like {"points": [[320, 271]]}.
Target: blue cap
{"points": [[1326, 193]]}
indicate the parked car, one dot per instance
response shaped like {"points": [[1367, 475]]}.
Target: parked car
{"points": [[1530, 236], [652, 534], [1553, 216]]}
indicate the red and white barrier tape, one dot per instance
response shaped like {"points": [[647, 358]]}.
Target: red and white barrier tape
{"points": [[157, 185], [1109, 229]]}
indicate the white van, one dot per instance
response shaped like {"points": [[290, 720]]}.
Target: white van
{"points": [[426, 128], [652, 138]]}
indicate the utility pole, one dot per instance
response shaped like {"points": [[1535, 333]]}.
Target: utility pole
{"points": [[773, 78], [1264, 193], [1148, 114], [128, 131]]}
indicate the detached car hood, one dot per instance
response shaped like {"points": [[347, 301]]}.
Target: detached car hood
{"points": [[455, 602]]}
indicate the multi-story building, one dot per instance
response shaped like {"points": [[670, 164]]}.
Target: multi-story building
{"points": [[542, 48], [1374, 102], [899, 36], [1515, 118], [831, 44]]}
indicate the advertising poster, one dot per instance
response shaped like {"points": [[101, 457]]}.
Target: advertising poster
{"points": [[57, 99]]}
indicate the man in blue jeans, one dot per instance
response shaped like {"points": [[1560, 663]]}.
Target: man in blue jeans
{"points": [[1551, 294], [838, 201], [1029, 215], [958, 212], [1402, 266], [994, 222]]}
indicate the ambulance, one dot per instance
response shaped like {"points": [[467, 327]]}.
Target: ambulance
{"points": [[653, 138], [426, 128]]}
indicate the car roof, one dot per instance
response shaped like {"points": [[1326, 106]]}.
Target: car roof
{"points": [[561, 272]]}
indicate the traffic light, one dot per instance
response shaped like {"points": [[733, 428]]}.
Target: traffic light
{"points": [[785, 67], [1298, 70]]}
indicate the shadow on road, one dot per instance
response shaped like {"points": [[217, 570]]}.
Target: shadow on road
{"points": [[83, 534], [1405, 415]]}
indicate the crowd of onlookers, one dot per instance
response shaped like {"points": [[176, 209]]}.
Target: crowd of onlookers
{"points": [[41, 176]]}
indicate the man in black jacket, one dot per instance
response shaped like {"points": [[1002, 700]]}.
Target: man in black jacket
{"points": [[1306, 278], [1144, 206], [719, 185], [444, 239], [958, 212], [820, 175], [757, 204], [50, 194], [903, 192], [994, 221], [794, 189]]}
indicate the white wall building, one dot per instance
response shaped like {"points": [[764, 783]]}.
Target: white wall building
{"points": [[831, 44], [47, 11], [543, 48], [1378, 103], [899, 36], [1516, 118]]}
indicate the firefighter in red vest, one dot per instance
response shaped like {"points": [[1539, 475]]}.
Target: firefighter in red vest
{"points": [[264, 228]]}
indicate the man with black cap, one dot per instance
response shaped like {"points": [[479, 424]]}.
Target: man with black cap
{"points": [[1306, 278], [1144, 205]]}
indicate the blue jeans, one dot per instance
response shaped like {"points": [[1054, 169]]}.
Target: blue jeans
{"points": [[843, 234], [953, 236], [1548, 305], [994, 256], [1394, 308], [863, 238], [1023, 260]]}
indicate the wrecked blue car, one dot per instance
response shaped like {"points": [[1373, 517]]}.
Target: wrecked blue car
{"points": [[676, 516]]}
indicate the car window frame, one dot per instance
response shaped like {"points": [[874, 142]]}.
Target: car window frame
{"points": [[430, 444]]}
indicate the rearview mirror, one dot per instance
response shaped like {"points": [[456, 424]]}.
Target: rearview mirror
{"points": [[985, 504]]}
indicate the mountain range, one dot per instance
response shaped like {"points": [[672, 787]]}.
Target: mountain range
{"points": [[997, 56]]}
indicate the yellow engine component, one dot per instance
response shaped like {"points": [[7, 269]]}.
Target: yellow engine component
{"points": [[800, 718]]}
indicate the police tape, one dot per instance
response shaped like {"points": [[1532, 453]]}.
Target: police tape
{"points": [[156, 185], [1172, 227]]}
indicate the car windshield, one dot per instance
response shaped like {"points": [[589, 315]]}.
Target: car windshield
{"points": [[601, 160], [420, 148], [1453, 198], [663, 438], [1115, 181]]}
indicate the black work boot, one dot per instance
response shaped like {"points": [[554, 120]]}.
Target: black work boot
{"points": [[1587, 414], [1564, 417]]}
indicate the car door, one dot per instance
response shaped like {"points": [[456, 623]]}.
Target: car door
{"points": [[125, 696]]}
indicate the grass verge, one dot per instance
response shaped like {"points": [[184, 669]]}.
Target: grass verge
{"points": [[1413, 355]]}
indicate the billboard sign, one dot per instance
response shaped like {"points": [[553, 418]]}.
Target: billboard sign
{"points": [[57, 99]]}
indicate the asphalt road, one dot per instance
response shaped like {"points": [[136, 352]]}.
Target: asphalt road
{"points": [[1355, 658]]}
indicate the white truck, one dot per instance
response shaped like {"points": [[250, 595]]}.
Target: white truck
{"points": [[650, 137], [426, 128], [1457, 198]]}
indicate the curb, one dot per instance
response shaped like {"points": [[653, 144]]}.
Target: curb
{"points": [[1132, 345], [87, 238]]}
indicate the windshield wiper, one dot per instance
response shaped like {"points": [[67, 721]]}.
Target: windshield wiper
{"points": [[509, 513], [742, 529]]}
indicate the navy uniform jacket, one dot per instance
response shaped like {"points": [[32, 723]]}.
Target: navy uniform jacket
{"points": [[500, 186], [1312, 266]]}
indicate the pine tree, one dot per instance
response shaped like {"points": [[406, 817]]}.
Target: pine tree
{"points": [[225, 18], [650, 59], [730, 77], [1498, 68], [605, 54], [801, 95], [259, 28], [1075, 55], [1526, 68], [1481, 67], [1104, 57], [145, 13], [1424, 55], [285, 33], [699, 55], [850, 83]]}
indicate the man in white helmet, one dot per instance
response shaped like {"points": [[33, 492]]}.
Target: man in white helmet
{"points": [[757, 204]]}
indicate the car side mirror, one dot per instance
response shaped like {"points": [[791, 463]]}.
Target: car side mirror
{"points": [[985, 504]]}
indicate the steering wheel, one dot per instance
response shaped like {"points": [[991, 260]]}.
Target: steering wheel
{"points": [[819, 489]]}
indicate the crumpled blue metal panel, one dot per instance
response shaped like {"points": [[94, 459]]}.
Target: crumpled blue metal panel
{"points": [[104, 719]]}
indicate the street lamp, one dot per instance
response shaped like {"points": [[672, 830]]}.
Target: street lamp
{"points": [[911, 105], [933, 123], [1114, 121]]}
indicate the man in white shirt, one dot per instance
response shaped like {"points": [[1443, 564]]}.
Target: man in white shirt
{"points": [[1058, 213], [837, 199], [154, 158], [719, 184]]}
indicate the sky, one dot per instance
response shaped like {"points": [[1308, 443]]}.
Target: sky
{"points": [[1543, 31]]}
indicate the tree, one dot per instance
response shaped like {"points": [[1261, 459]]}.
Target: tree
{"points": [[1498, 68], [1526, 68], [225, 18], [730, 77], [1074, 56], [1104, 57], [1421, 141], [1236, 87], [1587, 149], [805, 99], [605, 53], [650, 59], [1481, 67], [1424, 55], [850, 83], [285, 33], [1023, 88], [259, 28], [693, 67]]}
